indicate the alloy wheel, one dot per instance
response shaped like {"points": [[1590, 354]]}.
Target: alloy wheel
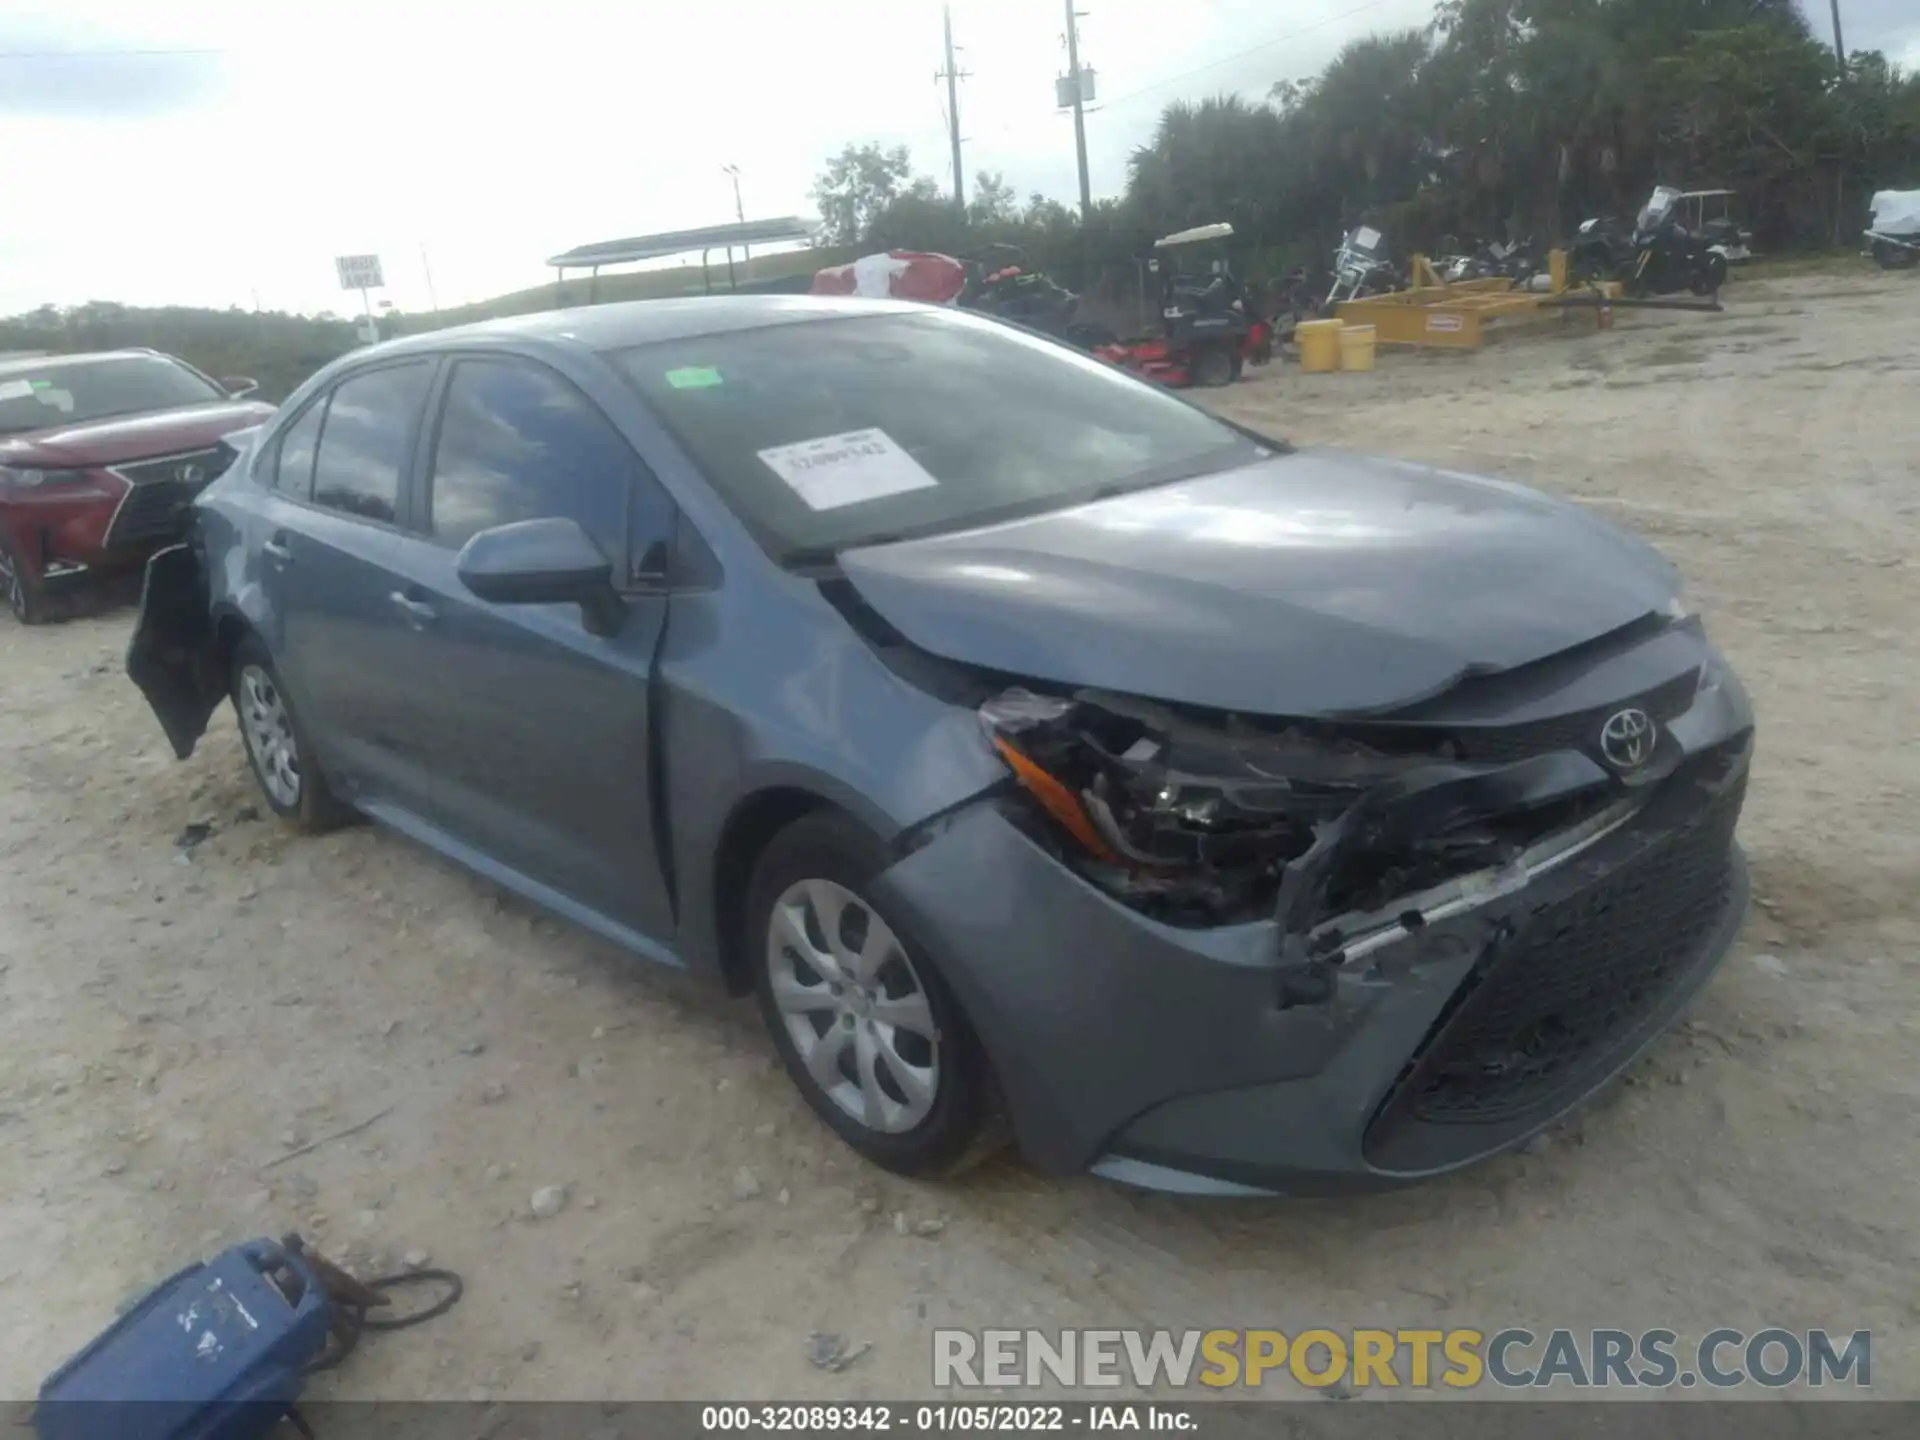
{"points": [[854, 1006], [270, 740]]}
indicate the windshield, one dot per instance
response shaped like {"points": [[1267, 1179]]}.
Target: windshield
{"points": [[1657, 206], [835, 433], [1363, 241], [56, 392]]}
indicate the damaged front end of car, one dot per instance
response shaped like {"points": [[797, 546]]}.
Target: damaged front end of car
{"points": [[1199, 820], [1308, 955]]}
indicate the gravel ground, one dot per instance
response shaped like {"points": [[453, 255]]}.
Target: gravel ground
{"points": [[172, 1022]]}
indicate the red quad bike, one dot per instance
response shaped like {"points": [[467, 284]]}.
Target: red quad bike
{"points": [[1208, 333]]}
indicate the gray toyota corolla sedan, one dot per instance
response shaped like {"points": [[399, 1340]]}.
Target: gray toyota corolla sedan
{"points": [[1230, 818]]}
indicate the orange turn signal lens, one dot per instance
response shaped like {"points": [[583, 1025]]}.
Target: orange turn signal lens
{"points": [[1056, 799]]}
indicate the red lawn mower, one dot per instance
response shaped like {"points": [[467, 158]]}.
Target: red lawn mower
{"points": [[1209, 332]]}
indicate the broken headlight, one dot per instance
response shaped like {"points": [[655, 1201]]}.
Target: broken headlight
{"points": [[1191, 819]]}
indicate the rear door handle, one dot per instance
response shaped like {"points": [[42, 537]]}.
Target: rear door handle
{"points": [[418, 611], [277, 550]]}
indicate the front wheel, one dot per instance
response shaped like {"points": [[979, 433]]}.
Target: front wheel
{"points": [[864, 1024], [24, 600]]}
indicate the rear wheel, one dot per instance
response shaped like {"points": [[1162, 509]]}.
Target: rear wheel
{"points": [[24, 599], [864, 1024], [1212, 367], [1894, 257], [1709, 274], [277, 747]]}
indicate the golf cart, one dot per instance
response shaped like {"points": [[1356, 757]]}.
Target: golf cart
{"points": [[1208, 333], [1710, 215]]}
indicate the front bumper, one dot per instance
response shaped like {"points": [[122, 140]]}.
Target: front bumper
{"points": [[1166, 1057]]}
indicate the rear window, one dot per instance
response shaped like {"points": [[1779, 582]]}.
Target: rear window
{"points": [[829, 434]]}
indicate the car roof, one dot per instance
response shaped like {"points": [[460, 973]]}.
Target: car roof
{"points": [[627, 323], [11, 364]]}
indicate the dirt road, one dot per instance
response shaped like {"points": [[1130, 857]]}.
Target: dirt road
{"points": [[169, 1025]]}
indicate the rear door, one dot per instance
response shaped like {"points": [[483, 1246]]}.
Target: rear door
{"points": [[541, 744], [328, 536]]}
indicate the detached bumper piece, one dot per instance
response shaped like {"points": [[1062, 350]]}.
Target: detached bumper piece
{"points": [[172, 656], [1576, 984]]}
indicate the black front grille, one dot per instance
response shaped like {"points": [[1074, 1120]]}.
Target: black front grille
{"points": [[1544, 1015], [159, 506], [1498, 745]]}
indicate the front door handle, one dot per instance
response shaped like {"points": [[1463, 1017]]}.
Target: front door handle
{"points": [[417, 611], [277, 551]]}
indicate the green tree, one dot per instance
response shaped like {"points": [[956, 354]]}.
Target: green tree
{"points": [[993, 204], [856, 188]]}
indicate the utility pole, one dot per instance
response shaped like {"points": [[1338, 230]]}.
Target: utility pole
{"points": [[427, 270], [1079, 112], [1839, 41], [953, 75], [739, 210]]}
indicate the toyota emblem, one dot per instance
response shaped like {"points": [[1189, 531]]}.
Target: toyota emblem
{"points": [[1628, 739]]}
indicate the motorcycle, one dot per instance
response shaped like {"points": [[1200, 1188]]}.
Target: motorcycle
{"points": [[1658, 256], [1894, 239], [1360, 268], [1491, 261]]}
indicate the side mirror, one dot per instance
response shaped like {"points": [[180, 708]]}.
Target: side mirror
{"points": [[542, 562], [238, 387]]}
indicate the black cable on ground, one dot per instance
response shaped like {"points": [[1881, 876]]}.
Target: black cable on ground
{"points": [[353, 1321]]}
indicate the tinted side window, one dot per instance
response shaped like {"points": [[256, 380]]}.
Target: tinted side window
{"points": [[364, 445], [519, 443], [293, 468]]}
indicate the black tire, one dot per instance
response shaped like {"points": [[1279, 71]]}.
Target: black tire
{"points": [[1893, 257], [1709, 274], [313, 807], [830, 847], [22, 593], [1211, 367]]}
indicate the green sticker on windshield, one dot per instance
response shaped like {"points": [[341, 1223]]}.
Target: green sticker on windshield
{"points": [[693, 377]]}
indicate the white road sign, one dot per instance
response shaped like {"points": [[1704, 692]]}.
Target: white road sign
{"points": [[359, 272]]}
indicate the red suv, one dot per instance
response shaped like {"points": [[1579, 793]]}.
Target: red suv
{"points": [[100, 458]]}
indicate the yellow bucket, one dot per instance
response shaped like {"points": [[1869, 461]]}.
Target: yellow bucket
{"points": [[1319, 342], [1356, 347]]}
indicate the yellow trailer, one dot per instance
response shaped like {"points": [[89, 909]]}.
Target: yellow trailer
{"points": [[1460, 316]]}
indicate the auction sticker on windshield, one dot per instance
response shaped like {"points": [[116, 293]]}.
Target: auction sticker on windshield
{"points": [[838, 470]]}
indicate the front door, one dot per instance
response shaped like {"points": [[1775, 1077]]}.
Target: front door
{"points": [[541, 756]]}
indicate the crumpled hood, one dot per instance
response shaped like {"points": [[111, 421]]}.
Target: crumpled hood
{"points": [[132, 437], [1316, 583]]}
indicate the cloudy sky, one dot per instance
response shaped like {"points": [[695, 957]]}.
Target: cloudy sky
{"points": [[223, 151]]}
